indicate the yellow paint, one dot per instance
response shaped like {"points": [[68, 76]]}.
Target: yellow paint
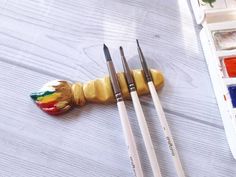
{"points": [[49, 98], [61, 104], [100, 90]]}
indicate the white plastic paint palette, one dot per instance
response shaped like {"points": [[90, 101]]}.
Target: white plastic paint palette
{"points": [[225, 39], [218, 38]]}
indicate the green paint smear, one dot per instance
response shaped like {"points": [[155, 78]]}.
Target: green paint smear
{"points": [[35, 95], [209, 2]]}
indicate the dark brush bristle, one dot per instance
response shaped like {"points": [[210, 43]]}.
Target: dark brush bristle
{"points": [[137, 42], [112, 74], [144, 63], [106, 53], [121, 51], [128, 76]]}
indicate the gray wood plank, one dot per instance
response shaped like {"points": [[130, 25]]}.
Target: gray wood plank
{"points": [[45, 40]]}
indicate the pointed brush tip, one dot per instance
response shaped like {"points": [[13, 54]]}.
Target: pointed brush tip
{"points": [[138, 46], [104, 46], [122, 52], [107, 53]]}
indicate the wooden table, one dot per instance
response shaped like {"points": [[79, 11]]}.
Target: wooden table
{"points": [[44, 40]]}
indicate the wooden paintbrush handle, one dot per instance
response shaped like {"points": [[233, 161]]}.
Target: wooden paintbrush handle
{"points": [[166, 129], [146, 135], [129, 139]]}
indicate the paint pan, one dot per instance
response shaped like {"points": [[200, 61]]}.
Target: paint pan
{"points": [[225, 39], [232, 93], [230, 66]]}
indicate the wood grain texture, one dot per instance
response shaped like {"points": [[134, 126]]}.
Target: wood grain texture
{"points": [[43, 40]]}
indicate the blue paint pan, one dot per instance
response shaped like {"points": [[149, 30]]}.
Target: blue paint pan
{"points": [[232, 92]]}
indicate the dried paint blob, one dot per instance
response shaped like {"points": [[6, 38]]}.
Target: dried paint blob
{"points": [[54, 97], [230, 65], [225, 40], [232, 92]]}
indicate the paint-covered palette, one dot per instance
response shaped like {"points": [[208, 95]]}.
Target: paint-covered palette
{"points": [[218, 38]]}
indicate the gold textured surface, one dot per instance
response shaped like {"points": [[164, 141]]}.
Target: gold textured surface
{"points": [[123, 85], [158, 78], [97, 91], [140, 82], [78, 94], [100, 90]]}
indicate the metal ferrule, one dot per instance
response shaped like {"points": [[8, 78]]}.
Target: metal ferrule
{"points": [[132, 87], [118, 97]]}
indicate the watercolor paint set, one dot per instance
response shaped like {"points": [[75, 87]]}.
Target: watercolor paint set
{"points": [[218, 39]]}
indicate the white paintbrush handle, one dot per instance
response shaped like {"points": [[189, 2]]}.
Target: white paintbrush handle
{"points": [[146, 135], [166, 129], [129, 139]]}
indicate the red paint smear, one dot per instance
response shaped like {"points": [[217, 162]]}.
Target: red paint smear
{"points": [[53, 110], [230, 64], [49, 108], [46, 105]]}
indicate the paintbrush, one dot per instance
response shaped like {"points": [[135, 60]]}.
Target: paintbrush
{"points": [[141, 118], [161, 114], [128, 134]]}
